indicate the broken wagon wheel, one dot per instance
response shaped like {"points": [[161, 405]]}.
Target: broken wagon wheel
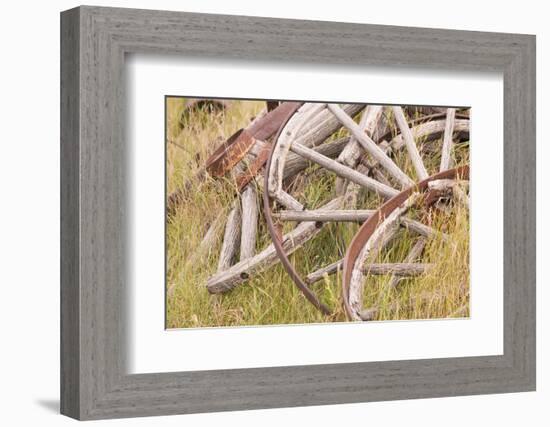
{"points": [[373, 230], [274, 189]]}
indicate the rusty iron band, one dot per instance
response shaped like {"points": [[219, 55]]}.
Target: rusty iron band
{"points": [[232, 151], [275, 234]]}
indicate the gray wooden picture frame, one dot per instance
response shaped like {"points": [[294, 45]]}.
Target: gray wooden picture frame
{"points": [[94, 41]]}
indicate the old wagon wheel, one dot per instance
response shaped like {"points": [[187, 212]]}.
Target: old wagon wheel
{"points": [[244, 156], [363, 163]]}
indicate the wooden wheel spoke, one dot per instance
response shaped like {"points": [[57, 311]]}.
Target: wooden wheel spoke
{"points": [[249, 225], [412, 149], [287, 200], [323, 215], [403, 269], [400, 270], [370, 146], [447, 140], [343, 171], [353, 215], [235, 275], [411, 257], [231, 238]]}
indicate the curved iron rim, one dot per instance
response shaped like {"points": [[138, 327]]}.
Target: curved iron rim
{"points": [[277, 243], [369, 226]]}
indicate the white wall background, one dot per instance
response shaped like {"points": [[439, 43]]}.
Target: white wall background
{"points": [[29, 212]]}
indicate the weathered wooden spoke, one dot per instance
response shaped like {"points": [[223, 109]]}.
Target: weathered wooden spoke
{"points": [[344, 171], [371, 147], [447, 140], [412, 149]]}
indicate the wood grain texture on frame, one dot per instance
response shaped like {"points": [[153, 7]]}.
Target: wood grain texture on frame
{"points": [[94, 234]]}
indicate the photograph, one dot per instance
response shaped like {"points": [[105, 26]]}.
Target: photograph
{"points": [[284, 212]]}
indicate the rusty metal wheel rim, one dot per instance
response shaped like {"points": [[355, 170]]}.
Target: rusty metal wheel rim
{"points": [[273, 232], [369, 226]]}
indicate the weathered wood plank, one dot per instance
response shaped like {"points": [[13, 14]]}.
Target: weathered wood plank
{"points": [[209, 239]]}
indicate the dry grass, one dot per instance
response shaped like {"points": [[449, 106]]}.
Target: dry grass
{"points": [[272, 298]]}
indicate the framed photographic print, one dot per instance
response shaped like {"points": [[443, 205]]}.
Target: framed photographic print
{"points": [[262, 213]]}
